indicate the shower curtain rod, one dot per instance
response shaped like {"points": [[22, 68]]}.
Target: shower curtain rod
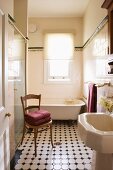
{"points": [[11, 22]]}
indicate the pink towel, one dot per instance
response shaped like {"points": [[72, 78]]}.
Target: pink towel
{"points": [[92, 98]]}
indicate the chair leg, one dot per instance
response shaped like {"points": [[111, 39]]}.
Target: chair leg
{"points": [[24, 129], [51, 135], [35, 136]]}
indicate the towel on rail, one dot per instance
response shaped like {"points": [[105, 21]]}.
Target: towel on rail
{"points": [[92, 98]]}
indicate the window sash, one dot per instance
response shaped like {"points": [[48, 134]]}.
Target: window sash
{"points": [[58, 78]]}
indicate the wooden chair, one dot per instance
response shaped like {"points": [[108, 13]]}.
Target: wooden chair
{"points": [[35, 118]]}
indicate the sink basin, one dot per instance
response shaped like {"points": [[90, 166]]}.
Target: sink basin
{"points": [[96, 130]]}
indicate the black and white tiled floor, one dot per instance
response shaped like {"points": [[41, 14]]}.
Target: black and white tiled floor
{"points": [[71, 154]]}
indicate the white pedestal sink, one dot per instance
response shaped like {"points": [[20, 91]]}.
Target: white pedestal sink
{"points": [[96, 130]]}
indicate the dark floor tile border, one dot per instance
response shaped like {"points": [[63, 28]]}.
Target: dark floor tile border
{"points": [[13, 162]]}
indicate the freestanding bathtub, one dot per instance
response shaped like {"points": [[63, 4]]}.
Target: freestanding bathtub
{"points": [[64, 111]]}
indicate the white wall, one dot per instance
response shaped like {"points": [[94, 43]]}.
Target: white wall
{"points": [[92, 18], [35, 62], [7, 6], [53, 91], [21, 16], [83, 28], [74, 25], [97, 48]]}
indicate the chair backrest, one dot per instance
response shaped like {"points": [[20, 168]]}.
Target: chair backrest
{"points": [[30, 98]]}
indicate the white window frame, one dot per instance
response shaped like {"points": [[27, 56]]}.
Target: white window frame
{"points": [[65, 58]]}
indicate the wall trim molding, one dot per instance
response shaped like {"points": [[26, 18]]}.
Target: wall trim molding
{"points": [[36, 48]]}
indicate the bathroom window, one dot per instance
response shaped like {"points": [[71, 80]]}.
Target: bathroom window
{"points": [[59, 48], [14, 69]]}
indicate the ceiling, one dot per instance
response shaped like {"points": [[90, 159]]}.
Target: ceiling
{"points": [[57, 8]]}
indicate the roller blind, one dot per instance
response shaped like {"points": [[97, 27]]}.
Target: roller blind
{"points": [[59, 46]]}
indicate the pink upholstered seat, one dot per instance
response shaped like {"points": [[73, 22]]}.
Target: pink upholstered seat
{"points": [[37, 117]]}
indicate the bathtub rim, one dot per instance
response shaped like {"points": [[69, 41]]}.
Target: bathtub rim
{"points": [[81, 103]]}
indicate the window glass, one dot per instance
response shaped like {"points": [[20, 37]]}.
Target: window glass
{"points": [[59, 68]]}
